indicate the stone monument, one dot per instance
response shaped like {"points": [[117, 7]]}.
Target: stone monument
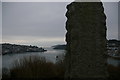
{"points": [[86, 41]]}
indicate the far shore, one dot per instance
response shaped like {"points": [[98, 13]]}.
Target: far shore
{"points": [[14, 48]]}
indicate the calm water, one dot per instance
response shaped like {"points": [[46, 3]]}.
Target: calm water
{"points": [[114, 62], [50, 55]]}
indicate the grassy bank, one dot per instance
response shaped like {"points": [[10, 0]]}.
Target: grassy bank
{"points": [[35, 67], [114, 72]]}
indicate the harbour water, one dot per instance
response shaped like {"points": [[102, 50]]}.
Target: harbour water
{"points": [[114, 62], [50, 55]]}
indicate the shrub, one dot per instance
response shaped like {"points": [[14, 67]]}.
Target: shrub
{"points": [[5, 73], [113, 71], [36, 67]]}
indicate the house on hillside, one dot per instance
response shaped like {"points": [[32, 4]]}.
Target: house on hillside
{"points": [[112, 47]]}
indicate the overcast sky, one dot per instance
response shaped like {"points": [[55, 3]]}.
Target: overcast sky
{"points": [[119, 21], [111, 11], [43, 24], [0, 22], [34, 23]]}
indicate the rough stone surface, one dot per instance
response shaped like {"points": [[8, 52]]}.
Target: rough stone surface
{"points": [[86, 41]]}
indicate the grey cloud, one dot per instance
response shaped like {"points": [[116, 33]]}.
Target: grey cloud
{"points": [[46, 19], [119, 21], [111, 10], [34, 19]]}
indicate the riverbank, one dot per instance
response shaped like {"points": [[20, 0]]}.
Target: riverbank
{"points": [[51, 67], [31, 68], [50, 55], [35, 67], [114, 72]]}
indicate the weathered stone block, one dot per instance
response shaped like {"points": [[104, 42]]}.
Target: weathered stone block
{"points": [[86, 41]]}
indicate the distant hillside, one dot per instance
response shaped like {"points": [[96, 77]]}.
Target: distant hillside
{"points": [[14, 48], [61, 47]]}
